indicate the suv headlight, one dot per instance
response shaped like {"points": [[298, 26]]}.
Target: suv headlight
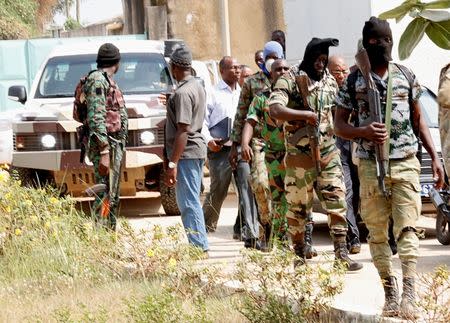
{"points": [[48, 141], [147, 137]]}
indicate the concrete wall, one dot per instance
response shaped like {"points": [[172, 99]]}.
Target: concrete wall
{"points": [[251, 25], [113, 27], [199, 24]]}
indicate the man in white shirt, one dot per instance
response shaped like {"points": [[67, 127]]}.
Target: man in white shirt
{"points": [[222, 103]]}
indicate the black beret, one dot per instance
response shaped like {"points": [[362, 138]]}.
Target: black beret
{"points": [[108, 55]]}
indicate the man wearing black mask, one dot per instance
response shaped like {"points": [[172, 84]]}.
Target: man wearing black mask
{"points": [[399, 94], [304, 101]]}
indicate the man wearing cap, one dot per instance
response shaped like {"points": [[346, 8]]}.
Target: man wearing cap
{"points": [[255, 85], [399, 94], [107, 121], [302, 103], [186, 146], [273, 137]]}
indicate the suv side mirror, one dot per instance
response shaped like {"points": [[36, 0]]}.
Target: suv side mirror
{"points": [[18, 93]]}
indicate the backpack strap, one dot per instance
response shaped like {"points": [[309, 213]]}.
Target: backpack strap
{"points": [[410, 77]]}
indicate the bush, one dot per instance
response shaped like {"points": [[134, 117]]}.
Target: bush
{"points": [[46, 243], [72, 24], [434, 301], [167, 306], [274, 291]]}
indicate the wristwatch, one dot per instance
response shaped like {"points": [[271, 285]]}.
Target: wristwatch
{"points": [[172, 165]]}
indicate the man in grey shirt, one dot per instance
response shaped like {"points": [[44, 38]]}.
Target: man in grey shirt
{"points": [[186, 146]]}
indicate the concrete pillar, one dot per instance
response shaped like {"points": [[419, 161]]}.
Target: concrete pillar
{"points": [[156, 22]]}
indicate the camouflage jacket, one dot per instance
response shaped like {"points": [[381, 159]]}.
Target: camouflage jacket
{"points": [[103, 94], [271, 131], [403, 142], [252, 86], [444, 115], [320, 99]]}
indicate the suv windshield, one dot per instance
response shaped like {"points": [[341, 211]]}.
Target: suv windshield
{"points": [[430, 108], [139, 73]]}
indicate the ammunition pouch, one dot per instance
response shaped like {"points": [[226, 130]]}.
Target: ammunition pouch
{"points": [[305, 160]]}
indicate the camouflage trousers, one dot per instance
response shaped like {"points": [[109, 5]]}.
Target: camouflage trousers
{"points": [[300, 184], [259, 181], [403, 206], [112, 181], [277, 172]]}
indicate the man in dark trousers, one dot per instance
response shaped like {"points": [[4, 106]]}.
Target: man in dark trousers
{"points": [[339, 69]]}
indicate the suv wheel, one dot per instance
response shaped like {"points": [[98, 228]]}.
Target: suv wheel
{"points": [[168, 197], [30, 177]]}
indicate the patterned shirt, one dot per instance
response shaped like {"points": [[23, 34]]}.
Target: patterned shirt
{"points": [[271, 130], [102, 94], [403, 143], [252, 86], [321, 99]]}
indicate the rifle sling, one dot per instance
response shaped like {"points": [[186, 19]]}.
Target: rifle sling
{"points": [[388, 112]]}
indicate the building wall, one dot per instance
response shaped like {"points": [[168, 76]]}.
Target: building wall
{"points": [[199, 24]]}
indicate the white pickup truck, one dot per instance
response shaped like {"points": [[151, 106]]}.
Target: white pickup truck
{"points": [[44, 133]]}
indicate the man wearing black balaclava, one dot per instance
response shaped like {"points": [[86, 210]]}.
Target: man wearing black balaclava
{"points": [[401, 129], [298, 106]]}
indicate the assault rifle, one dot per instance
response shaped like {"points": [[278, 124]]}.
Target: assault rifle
{"points": [[311, 131], [381, 156]]}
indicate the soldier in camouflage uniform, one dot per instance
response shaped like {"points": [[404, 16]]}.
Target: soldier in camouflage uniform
{"points": [[253, 86], [107, 121], [272, 135], [403, 202], [287, 104], [444, 115]]}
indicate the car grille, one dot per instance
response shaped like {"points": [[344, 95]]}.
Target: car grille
{"points": [[68, 140], [32, 141]]}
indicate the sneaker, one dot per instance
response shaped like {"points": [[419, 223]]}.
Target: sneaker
{"points": [[354, 248]]}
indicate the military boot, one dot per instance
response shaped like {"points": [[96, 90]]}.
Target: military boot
{"points": [[310, 251], [298, 242], [391, 305], [341, 254], [299, 250], [408, 306]]}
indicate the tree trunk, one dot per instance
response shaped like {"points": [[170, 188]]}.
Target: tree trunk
{"points": [[67, 9], [78, 10], [133, 12]]}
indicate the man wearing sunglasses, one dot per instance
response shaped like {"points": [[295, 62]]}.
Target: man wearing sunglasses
{"points": [[339, 69], [271, 133]]}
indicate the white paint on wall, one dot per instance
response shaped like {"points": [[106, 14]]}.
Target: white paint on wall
{"points": [[344, 19]]}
